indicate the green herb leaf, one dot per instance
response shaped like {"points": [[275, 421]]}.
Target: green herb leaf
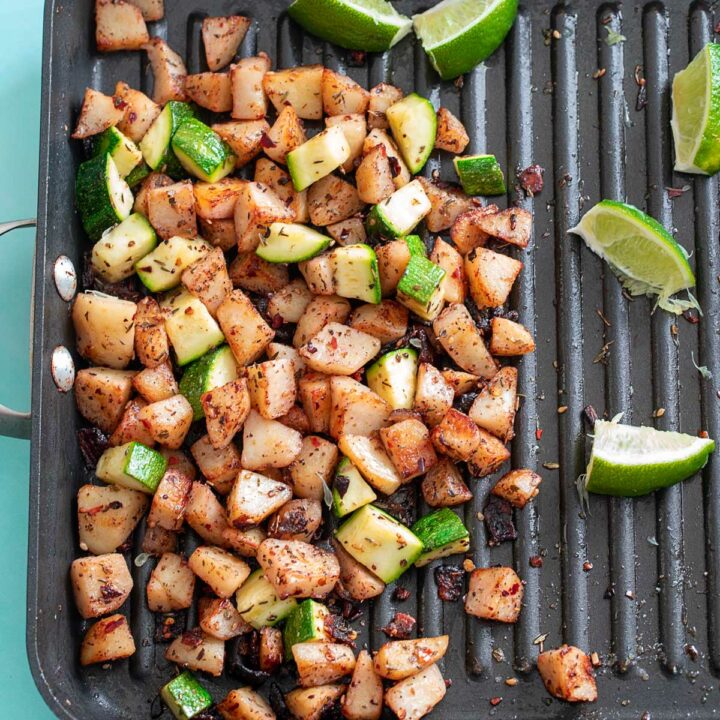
{"points": [[702, 369], [614, 37]]}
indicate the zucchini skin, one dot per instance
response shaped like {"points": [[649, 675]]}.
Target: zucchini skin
{"points": [[208, 156], [439, 528]]}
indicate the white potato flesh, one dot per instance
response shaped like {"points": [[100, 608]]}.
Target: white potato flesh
{"points": [[409, 448], [342, 95], [139, 111], [246, 76], [272, 175], [495, 405], [364, 696], [157, 383], [171, 210], [157, 541], [369, 457], [490, 276], [339, 350], [226, 408], [170, 500], [461, 382], [286, 134], [451, 133], [108, 639], [382, 96], [393, 258], [355, 409], [567, 673], [219, 569], [447, 203], [168, 420], [152, 345], [332, 199], [416, 696], [250, 272], [101, 395], [314, 392], [433, 396], [320, 663], [320, 311], [219, 466], [100, 584], [387, 321], [268, 443], [348, 232], [98, 113], [205, 515], [255, 497], [245, 704], [198, 651], [451, 261], [400, 659], [374, 176], [130, 428], [171, 585], [355, 578], [510, 338], [244, 138], [216, 201], [300, 87], [494, 594], [518, 487], [289, 303], [314, 466], [244, 328], [168, 70], [278, 351], [318, 274], [222, 37], [219, 617], [311, 703], [377, 136], [272, 387], [210, 90], [354, 128]]}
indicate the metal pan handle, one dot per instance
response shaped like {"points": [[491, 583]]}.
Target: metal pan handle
{"points": [[13, 423]]}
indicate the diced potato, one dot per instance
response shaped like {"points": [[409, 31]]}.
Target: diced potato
{"points": [[170, 500], [312, 467], [168, 420], [286, 134], [216, 201], [494, 594], [222, 37], [513, 226], [157, 383], [332, 199], [489, 455], [100, 584], [567, 673], [104, 329], [348, 232], [355, 578], [382, 96], [245, 704], [179, 461], [364, 697], [219, 617], [341, 95], [244, 328], [101, 395], [272, 175], [152, 181], [433, 396], [401, 174], [253, 274], [443, 486], [318, 274], [296, 520], [272, 387], [207, 278], [139, 111], [356, 409], [296, 419], [151, 9], [387, 321], [107, 640], [416, 696], [278, 351], [374, 176], [198, 651], [210, 90], [171, 585], [393, 257], [312, 703], [219, 233], [457, 436], [130, 426], [318, 313], [354, 128], [98, 113], [152, 346], [171, 210], [272, 649], [157, 541], [221, 570], [495, 405], [226, 408], [409, 447], [298, 569], [314, 392], [510, 338], [244, 541], [466, 232], [450, 260], [168, 70], [400, 659], [518, 486], [254, 497], [268, 443], [246, 76], [457, 333], [447, 201], [319, 663], [300, 87], [219, 466], [369, 457], [107, 515], [256, 208], [289, 302], [339, 350], [461, 382], [451, 133], [205, 515], [490, 276], [244, 138]]}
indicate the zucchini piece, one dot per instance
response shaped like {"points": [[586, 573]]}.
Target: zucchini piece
{"points": [[115, 254], [414, 126], [192, 330], [185, 697], [350, 491], [123, 150], [416, 245], [355, 273], [420, 288], [379, 542], [138, 174], [212, 370], [202, 152], [133, 466], [155, 145], [442, 533], [318, 157], [291, 242], [162, 269], [398, 215], [480, 175], [258, 603], [306, 623], [393, 377], [102, 196]]}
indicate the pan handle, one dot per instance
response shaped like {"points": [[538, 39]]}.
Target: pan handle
{"points": [[12, 423]]}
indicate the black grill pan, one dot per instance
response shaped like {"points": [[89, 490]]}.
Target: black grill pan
{"points": [[638, 581]]}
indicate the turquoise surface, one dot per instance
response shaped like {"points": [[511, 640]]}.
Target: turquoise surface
{"points": [[21, 42]]}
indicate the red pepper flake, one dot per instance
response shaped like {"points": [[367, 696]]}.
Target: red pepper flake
{"points": [[192, 638], [539, 434], [400, 594], [119, 103], [333, 343], [173, 460], [93, 511], [531, 180], [536, 561], [495, 701], [401, 626], [266, 141], [113, 625], [315, 441], [276, 321]]}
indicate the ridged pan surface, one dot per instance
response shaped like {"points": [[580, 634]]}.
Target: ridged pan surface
{"points": [[637, 581]]}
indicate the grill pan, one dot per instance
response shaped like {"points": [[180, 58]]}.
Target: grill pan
{"points": [[637, 581]]}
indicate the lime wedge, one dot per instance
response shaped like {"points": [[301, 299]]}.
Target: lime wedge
{"points": [[640, 251], [459, 34], [696, 113], [480, 174], [631, 461], [370, 25]]}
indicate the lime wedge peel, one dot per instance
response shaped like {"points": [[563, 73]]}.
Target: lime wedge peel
{"points": [[629, 461], [640, 251]]}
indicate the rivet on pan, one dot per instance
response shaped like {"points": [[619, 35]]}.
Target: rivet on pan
{"points": [[62, 367], [65, 278]]}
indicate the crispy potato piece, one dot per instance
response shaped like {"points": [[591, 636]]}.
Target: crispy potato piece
{"points": [[447, 202], [289, 303], [210, 90], [416, 696], [272, 175], [272, 650], [457, 436], [207, 279], [157, 541], [312, 467], [168, 70], [139, 111], [494, 594], [356, 409], [226, 409], [100, 584], [387, 321], [219, 617], [401, 174], [318, 274], [489, 455], [311, 703], [461, 382], [355, 578], [130, 428], [518, 487], [119, 26], [101, 395], [451, 133], [246, 76], [272, 387], [244, 138], [198, 651], [286, 134], [299, 87], [170, 500], [374, 176], [278, 351], [219, 233], [513, 226], [466, 232], [433, 396], [296, 520], [510, 338], [319, 663], [252, 273], [409, 447], [245, 704], [400, 659], [341, 95], [156, 383], [98, 113], [244, 328], [152, 181], [393, 258], [348, 232], [317, 314], [171, 585], [168, 420], [219, 569], [268, 443], [354, 128], [369, 457], [256, 208], [151, 9], [205, 515], [382, 96], [364, 696], [216, 201], [314, 392], [296, 419], [567, 673], [490, 276], [108, 639], [171, 210], [332, 199], [339, 350], [222, 37], [245, 541], [219, 466], [443, 485], [495, 405]]}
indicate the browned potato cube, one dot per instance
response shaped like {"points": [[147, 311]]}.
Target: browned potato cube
{"points": [[489, 455], [278, 351], [364, 697], [219, 233], [169, 71], [272, 175], [450, 260], [332, 199], [494, 407], [171, 210], [355, 409], [494, 594], [216, 201], [219, 617], [348, 232], [246, 76], [318, 274], [197, 650], [245, 704], [457, 436], [342, 95], [355, 578], [490, 276], [387, 321], [416, 696], [170, 500], [374, 176], [171, 585], [226, 409], [319, 663], [393, 257], [510, 338], [157, 541], [369, 457], [253, 274], [244, 328], [354, 128], [447, 202], [268, 443], [433, 396], [222, 37], [382, 96], [151, 9], [311, 703], [153, 180], [466, 232], [461, 382], [179, 461], [139, 112], [451, 133], [156, 383], [401, 174], [296, 520], [207, 278], [210, 90], [254, 497], [296, 419], [256, 208], [288, 304], [101, 395], [106, 640], [168, 420], [244, 138], [272, 387], [313, 466], [219, 466], [205, 515], [409, 447], [286, 134], [518, 487], [299, 87], [400, 659], [317, 314], [272, 649], [314, 392], [220, 570], [443, 486], [513, 226], [244, 541], [100, 584], [119, 26], [339, 350], [567, 673], [151, 341]]}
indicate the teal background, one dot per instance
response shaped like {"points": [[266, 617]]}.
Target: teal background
{"points": [[21, 42]]}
